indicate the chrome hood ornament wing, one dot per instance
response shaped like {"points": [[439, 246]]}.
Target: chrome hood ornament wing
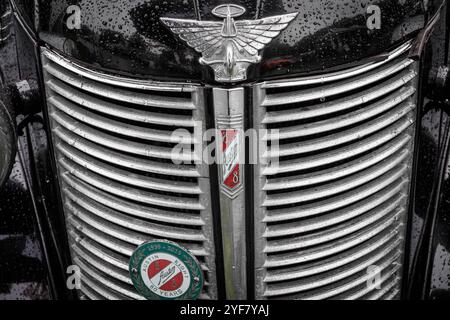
{"points": [[229, 46]]}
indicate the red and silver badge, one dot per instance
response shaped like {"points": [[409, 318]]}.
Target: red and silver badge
{"points": [[231, 155]]}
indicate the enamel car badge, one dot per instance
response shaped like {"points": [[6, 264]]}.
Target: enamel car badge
{"points": [[163, 270]]}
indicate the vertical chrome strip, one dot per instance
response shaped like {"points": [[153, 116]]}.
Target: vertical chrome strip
{"points": [[198, 98], [259, 113], [229, 104]]}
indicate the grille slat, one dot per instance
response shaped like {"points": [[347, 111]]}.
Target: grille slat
{"points": [[389, 287], [5, 25], [116, 127], [391, 295], [133, 179], [330, 77], [76, 225], [97, 291], [342, 104], [130, 193], [330, 277], [99, 264], [106, 268], [345, 120], [358, 148], [392, 193], [346, 169], [139, 225], [337, 202], [386, 283], [116, 110], [131, 207], [335, 261], [117, 231], [126, 248], [342, 185], [124, 236], [115, 93], [326, 235], [118, 143], [120, 184], [344, 136], [385, 264], [336, 89], [321, 251], [121, 159], [114, 80], [104, 253], [331, 202], [107, 281], [101, 252], [89, 294]]}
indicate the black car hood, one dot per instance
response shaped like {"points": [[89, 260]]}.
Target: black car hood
{"points": [[127, 36]]}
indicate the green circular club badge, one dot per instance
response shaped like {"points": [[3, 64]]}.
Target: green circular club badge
{"points": [[163, 270]]}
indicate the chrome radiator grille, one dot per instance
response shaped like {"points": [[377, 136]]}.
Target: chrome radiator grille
{"points": [[330, 208], [113, 145], [330, 212]]}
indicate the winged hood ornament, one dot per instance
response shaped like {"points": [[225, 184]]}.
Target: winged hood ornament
{"points": [[229, 47]]}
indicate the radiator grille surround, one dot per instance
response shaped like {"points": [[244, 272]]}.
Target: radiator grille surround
{"points": [[331, 198], [330, 207]]}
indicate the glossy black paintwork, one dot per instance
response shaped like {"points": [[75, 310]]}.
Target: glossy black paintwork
{"points": [[440, 254], [430, 234], [32, 234], [430, 237], [127, 37], [23, 269], [32, 238], [429, 245]]}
